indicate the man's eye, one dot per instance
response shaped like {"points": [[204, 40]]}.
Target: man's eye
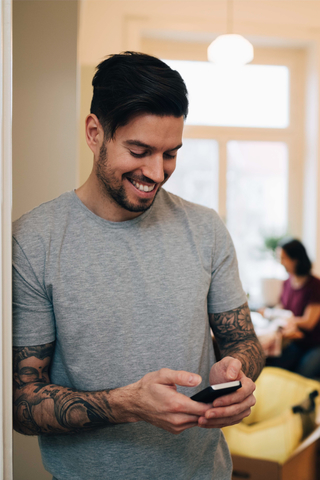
{"points": [[166, 155], [138, 155]]}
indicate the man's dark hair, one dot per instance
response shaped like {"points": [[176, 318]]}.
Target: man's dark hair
{"points": [[129, 84], [296, 251]]}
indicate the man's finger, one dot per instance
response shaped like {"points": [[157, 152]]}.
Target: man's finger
{"points": [[233, 369], [223, 422], [248, 388], [231, 410], [178, 377], [226, 370]]}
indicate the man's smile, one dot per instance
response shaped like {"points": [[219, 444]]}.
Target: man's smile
{"points": [[141, 186]]}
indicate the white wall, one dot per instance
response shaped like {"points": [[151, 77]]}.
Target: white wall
{"points": [[44, 132]]}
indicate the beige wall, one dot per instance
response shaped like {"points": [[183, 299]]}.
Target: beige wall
{"points": [[85, 154], [44, 101], [108, 26], [44, 132]]}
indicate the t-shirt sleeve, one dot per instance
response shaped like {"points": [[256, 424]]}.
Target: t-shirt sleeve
{"points": [[32, 311], [226, 292]]}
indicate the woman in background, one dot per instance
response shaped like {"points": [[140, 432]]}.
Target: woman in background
{"points": [[301, 295]]}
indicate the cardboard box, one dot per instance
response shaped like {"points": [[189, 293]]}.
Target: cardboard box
{"points": [[303, 464]]}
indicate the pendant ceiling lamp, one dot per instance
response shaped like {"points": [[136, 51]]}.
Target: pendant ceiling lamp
{"points": [[230, 49]]}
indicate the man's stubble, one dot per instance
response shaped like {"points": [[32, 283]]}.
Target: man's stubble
{"points": [[114, 189]]}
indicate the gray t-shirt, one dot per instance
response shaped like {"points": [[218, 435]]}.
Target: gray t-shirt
{"points": [[121, 300]]}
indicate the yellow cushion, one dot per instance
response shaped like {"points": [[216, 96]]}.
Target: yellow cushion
{"points": [[272, 431]]}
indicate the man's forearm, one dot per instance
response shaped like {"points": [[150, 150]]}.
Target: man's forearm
{"points": [[41, 408], [251, 356], [235, 336]]}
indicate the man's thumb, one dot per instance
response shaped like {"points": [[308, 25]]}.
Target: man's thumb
{"points": [[233, 369], [180, 377]]}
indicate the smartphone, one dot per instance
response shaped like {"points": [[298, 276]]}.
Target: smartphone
{"points": [[209, 394]]}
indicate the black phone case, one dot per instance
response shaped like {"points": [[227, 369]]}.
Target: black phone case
{"points": [[208, 395]]}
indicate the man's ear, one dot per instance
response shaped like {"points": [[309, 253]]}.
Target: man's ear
{"points": [[94, 133]]}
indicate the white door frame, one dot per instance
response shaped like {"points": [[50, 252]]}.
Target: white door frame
{"points": [[5, 239]]}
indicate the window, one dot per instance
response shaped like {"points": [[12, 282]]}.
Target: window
{"points": [[250, 96], [257, 177], [196, 176], [242, 152]]}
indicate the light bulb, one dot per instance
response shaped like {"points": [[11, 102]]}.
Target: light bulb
{"points": [[231, 49]]}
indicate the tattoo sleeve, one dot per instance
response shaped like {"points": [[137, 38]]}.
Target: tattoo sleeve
{"points": [[236, 337], [43, 408]]}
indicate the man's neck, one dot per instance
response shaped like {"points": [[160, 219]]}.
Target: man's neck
{"points": [[101, 204]]}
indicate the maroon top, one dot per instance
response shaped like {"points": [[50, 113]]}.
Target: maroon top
{"points": [[297, 300]]}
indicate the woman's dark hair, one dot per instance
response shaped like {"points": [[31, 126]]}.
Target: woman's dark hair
{"points": [[296, 251], [131, 83]]}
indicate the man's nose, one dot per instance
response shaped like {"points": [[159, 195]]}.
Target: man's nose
{"points": [[154, 168]]}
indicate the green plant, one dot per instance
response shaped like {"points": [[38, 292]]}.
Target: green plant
{"points": [[271, 242]]}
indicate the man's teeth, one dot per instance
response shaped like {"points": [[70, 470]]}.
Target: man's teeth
{"points": [[143, 188]]}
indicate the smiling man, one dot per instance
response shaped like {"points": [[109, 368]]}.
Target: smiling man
{"points": [[116, 286], [131, 168]]}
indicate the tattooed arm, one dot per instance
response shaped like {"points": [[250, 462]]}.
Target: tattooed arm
{"points": [[242, 359], [43, 408], [235, 337]]}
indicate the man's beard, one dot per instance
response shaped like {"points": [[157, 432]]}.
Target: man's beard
{"points": [[114, 189]]}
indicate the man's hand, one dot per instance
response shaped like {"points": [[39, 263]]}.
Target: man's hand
{"points": [[232, 408], [155, 400]]}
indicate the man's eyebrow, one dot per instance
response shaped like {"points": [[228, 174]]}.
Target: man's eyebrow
{"points": [[175, 148], [137, 143]]}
